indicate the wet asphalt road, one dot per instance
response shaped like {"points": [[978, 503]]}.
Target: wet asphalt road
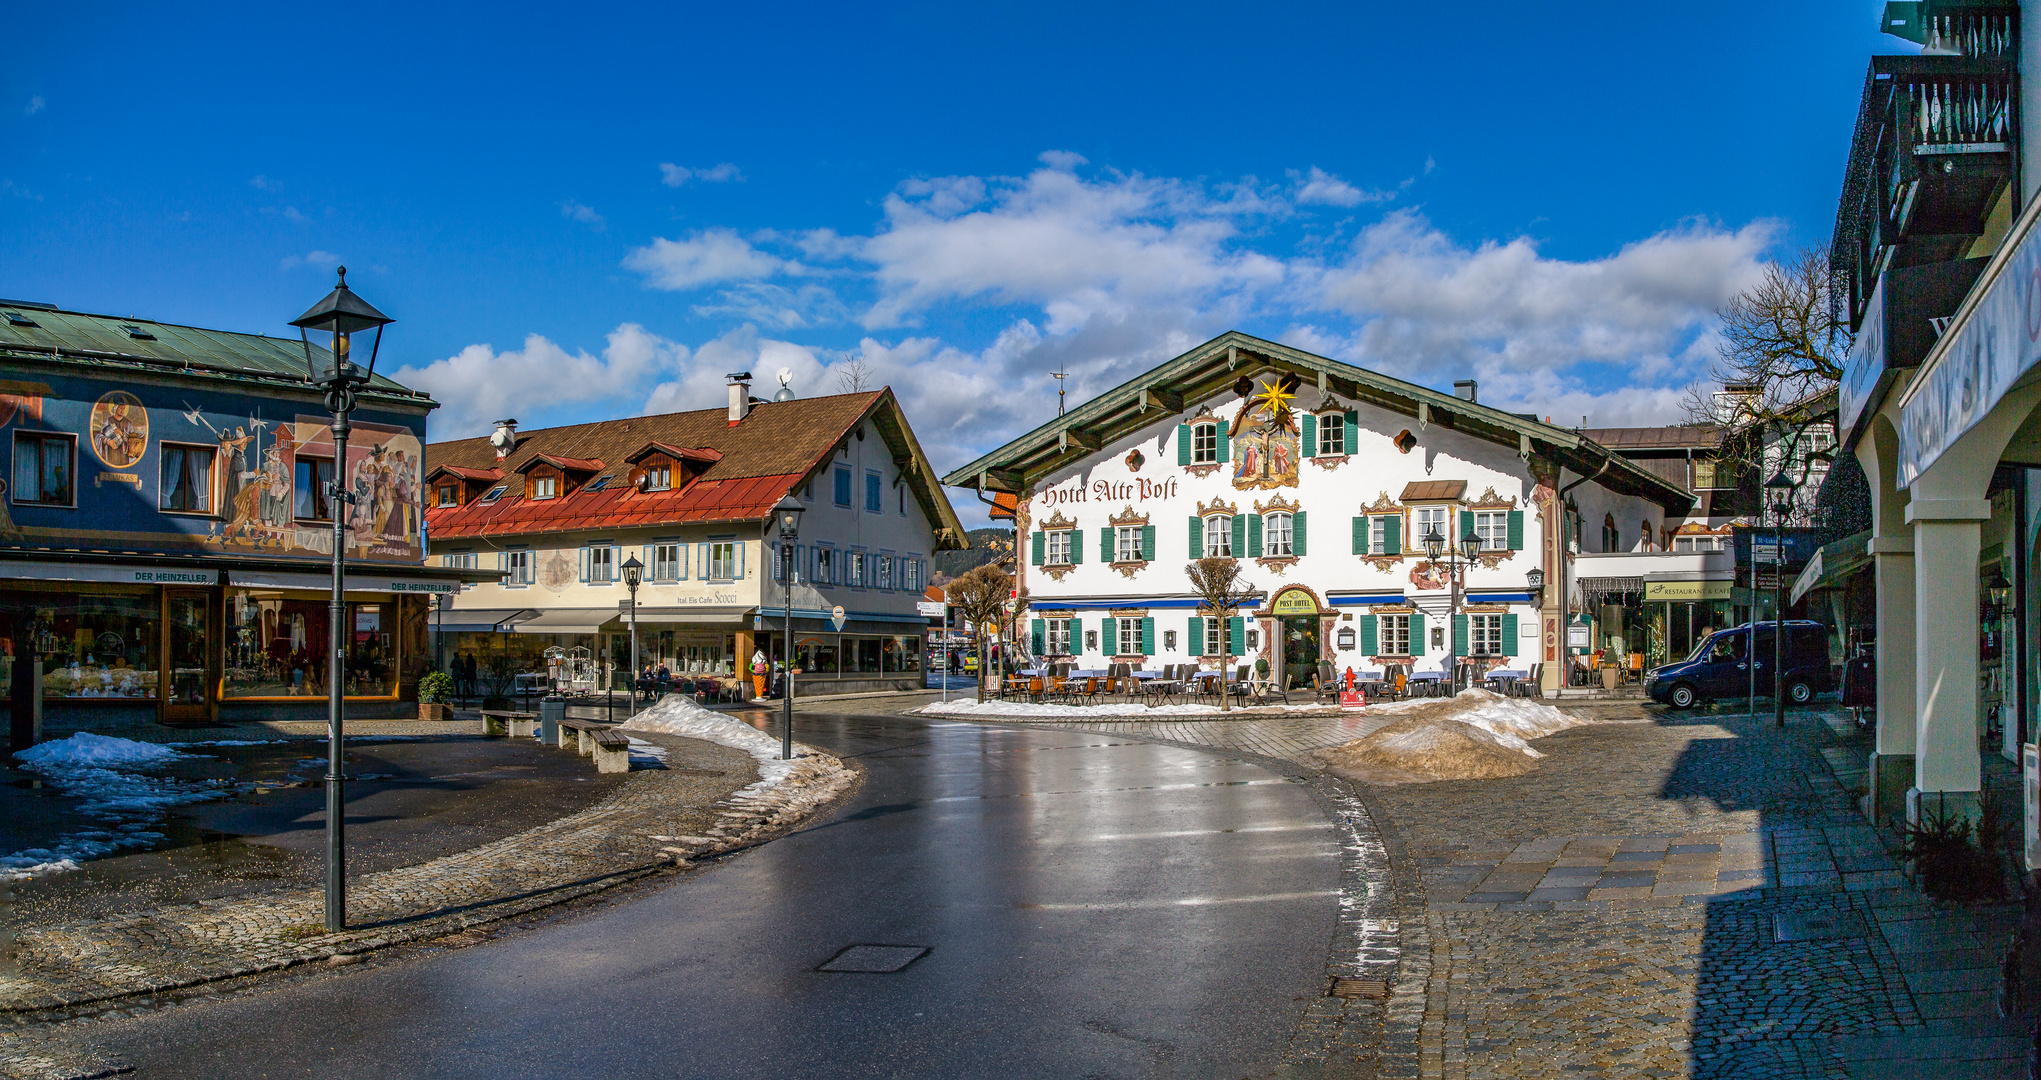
{"points": [[1093, 908]]}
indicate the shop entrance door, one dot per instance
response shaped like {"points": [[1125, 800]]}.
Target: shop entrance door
{"points": [[188, 681], [1300, 649]]}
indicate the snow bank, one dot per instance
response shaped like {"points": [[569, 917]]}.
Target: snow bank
{"points": [[1040, 710], [1523, 718], [1473, 735], [677, 715], [86, 749]]}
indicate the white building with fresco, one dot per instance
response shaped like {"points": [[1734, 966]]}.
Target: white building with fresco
{"points": [[1324, 478]]}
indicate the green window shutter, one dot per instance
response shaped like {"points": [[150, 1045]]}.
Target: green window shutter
{"points": [[1254, 536], [1516, 530], [1183, 444], [1353, 431], [1105, 544], [1076, 548], [1370, 640], [1360, 536], [584, 564], [1239, 535], [1197, 548], [1308, 441], [1147, 543], [1417, 642], [1297, 532], [1509, 634], [1040, 545], [1197, 637], [1038, 633], [1225, 441], [1392, 536], [1460, 635], [1236, 633], [1147, 637]]}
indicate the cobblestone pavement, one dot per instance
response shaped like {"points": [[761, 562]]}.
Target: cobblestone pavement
{"points": [[659, 818], [1679, 895]]}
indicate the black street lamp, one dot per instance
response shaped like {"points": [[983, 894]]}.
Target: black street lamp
{"points": [[634, 573], [330, 325], [1779, 489], [787, 515]]}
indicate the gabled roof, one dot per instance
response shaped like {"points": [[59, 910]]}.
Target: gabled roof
{"points": [[46, 333], [564, 464], [758, 461], [463, 473], [1209, 369], [1670, 437], [679, 453]]}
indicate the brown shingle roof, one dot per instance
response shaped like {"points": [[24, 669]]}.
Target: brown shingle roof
{"points": [[1422, 490]]}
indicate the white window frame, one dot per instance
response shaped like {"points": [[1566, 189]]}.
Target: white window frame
{"points": [[825, 564], [1332, 434], [1127, 635], [1215, 640], [1278, 536], [1057, 545], [1205, 443], [1123, 536], [723, 560], [212, 477], [602, 568], [448, 495], [659, 478], [1219, 536], [1056, 637], [1484, 635], [1423, 520], [1492, 526], [1378, 536], [914, 574], [545, 487], [667, 559], [855, 578], [1392, 631], [882, 572], [519, 561]]}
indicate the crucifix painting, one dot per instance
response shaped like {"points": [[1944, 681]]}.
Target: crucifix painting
{"points": [[1264, 438]]}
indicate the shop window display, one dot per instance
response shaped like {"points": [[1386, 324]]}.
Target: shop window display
{"points": [[105, 646], [276, 647]]}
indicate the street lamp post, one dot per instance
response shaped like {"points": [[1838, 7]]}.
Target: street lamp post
{"points": [[788, 516], [1780, 488], [334, 321], [634, 573], [1435, 546]]}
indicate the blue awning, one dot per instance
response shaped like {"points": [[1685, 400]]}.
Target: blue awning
{"points": [[1500, 598], [1367, 598]]}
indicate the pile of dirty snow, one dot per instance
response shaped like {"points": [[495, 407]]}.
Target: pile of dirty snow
{"points": [[1474, 735], [104, 774], [1039, 710], [86, 749], [675, 714]]}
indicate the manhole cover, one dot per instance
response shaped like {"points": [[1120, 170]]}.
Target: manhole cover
{"points": [[875, 959], [1347, 987], [1819, 926]]}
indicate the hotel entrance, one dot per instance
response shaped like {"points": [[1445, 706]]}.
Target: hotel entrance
{"points": [[1302, 626]]}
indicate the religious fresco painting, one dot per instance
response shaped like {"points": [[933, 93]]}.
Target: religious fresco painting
{"points": [[1264, 438], [119, 429], [263, 508]]}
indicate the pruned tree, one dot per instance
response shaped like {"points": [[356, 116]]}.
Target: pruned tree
{"points": [[1217, 582], [1784, 342], [981, 595], [855, 375]]}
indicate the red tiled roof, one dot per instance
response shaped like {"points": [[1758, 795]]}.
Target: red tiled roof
{"points": [[758, 460], [567, 463], [467, 473], [680, 453], [1004, 505]]}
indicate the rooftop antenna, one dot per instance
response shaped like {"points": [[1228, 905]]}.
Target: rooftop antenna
{"points": [[1060, 375]]}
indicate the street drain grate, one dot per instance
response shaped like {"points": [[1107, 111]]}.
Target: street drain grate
{"points": [[874, 959], [1344, 986]]}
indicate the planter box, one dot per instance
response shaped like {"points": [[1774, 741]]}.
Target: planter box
{"points": [[434, 711]]}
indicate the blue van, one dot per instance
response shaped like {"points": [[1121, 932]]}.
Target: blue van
{"points": [[1717, 668]]}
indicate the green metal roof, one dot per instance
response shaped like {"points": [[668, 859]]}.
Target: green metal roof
{"points": [[1206, 371], [79, 337]]}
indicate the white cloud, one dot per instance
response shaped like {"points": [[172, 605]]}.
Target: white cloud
{"points": [[479, 384], [34, 106], [702, 385], [574, 211], [777, 306], [1324, 189], [675, 175], [262, 183], [310, 258], [704, 258]]}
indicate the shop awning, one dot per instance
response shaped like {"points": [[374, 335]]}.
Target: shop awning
{"points": [[474, 620], [1833, 564], [564, 621], [1594, 590], [355, 582]]}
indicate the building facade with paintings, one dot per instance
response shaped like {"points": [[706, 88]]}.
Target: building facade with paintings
{"points": [[1323, 478], [689, 495], [166, 533]]}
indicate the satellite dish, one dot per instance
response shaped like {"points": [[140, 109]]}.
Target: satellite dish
{"points": [[786, 393], [786, 375], [638, 478]]}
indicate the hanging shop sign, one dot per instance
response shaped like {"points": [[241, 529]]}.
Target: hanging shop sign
{"points": [[1294, 602], [1687, 590]]}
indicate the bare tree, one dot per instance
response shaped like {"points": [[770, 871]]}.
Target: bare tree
{"points": [[855, 375], [1785, 340], [980, 595], [1217, 582]]}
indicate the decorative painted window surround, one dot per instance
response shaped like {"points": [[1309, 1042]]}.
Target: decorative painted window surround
{"points": [[1281, 533], [1127, 533], [1379, 532], [1202, 440]]}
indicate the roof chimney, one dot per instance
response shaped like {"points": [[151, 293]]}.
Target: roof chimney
{"points": [[1465, 390], [740, 394]]}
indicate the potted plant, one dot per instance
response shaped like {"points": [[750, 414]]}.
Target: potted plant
{"points": [[433, 691]]}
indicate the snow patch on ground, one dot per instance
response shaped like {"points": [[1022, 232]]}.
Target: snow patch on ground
{"points": [[676, 715], [973, 707], [1473, 735], [103, 773], [1523, 718]]}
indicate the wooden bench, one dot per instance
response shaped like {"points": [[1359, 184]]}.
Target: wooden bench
{"points": [[500, 722], [609, 747]]}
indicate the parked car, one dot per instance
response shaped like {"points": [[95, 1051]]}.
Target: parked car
{"points": [[1717, 668]]}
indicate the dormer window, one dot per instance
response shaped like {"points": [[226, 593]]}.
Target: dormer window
{"points": [[658, 477], [494, 494], [449, 495], [545, 487]]}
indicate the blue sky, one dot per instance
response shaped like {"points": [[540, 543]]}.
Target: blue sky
{"points": [[597, 210]]}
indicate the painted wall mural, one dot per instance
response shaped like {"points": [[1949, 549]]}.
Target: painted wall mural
{"points": [[1264, 438], [269, 497], [120, 429]]}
